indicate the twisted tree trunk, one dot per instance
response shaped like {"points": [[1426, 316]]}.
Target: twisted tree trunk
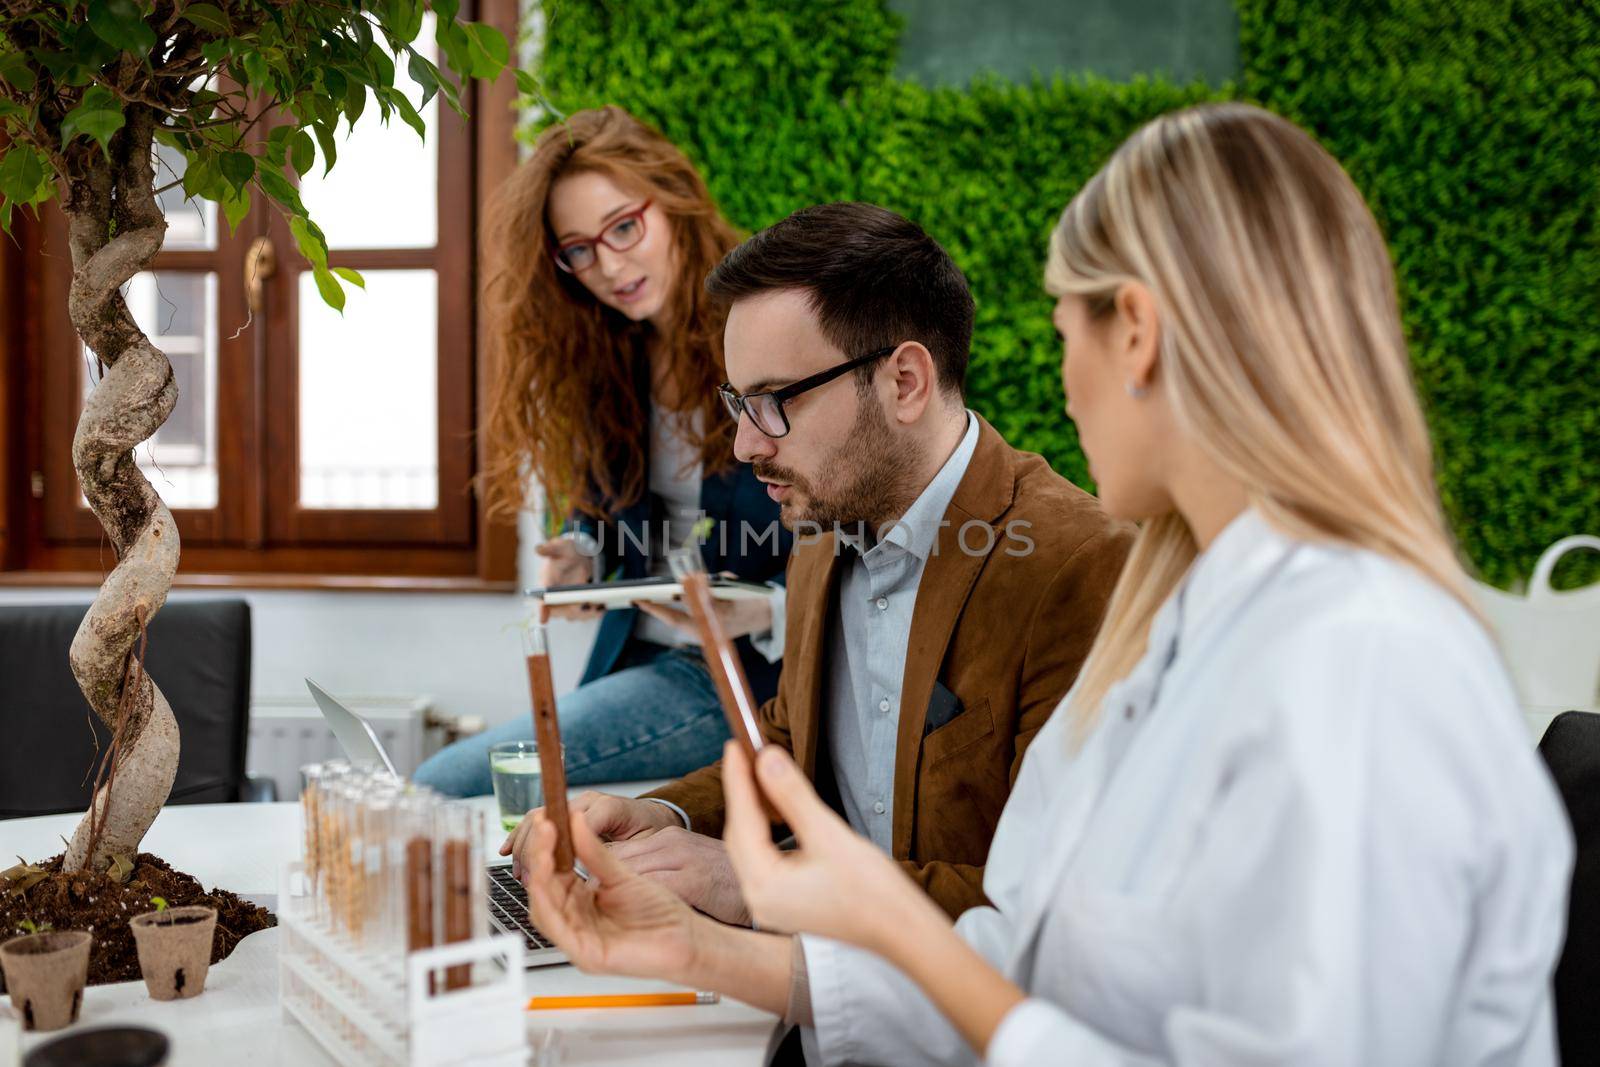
{"points": [[115, 230]]}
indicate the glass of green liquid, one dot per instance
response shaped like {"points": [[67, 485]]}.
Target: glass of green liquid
{"points": [[518, 783]]}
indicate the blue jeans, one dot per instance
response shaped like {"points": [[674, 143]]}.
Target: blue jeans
{"points": [[656, 716]]}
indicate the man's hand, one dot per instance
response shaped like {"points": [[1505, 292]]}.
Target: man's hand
{"points": [[739, 617], [694, 866], [611, 818], [615, 922], [561, 563]]}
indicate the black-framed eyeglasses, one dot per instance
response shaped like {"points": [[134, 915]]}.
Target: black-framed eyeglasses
{"points": [[620, 234], [766, 408]]}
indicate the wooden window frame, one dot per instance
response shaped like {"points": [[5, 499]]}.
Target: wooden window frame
{"points": [[259, 540]]}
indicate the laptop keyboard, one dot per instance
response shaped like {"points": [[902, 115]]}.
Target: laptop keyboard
{"points": [[508, 903]]}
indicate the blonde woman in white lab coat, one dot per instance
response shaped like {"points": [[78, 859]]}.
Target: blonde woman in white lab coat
{"points": [[1289, 814]]}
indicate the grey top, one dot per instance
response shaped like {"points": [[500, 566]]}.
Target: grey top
{"points": [[675, 473]]}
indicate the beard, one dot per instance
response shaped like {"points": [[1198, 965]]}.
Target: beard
{"points": [[870, 480]]}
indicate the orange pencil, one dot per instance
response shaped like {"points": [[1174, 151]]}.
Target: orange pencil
{"points": [[623, 1000]]}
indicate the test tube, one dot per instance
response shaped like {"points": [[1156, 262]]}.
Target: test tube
{"points": [[733, 689], [310, 777], [421, 899], [547, 736], [460, 882]]}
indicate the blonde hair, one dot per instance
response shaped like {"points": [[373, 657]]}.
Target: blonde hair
{"points": [[1281, 349]]}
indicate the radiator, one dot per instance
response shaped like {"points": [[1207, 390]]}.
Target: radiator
{"points": [[287, 733]]}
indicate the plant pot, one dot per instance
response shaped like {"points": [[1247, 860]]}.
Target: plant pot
{"points": [[45, 973], [174, 950]]}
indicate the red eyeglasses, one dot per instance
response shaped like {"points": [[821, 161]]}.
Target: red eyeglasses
{"points": [[620, 234]]}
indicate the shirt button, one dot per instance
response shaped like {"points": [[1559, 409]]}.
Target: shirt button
{"points": [[878, 807], [883, 603], [883, 705]]}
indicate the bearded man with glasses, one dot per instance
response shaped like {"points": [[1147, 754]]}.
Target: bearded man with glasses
{"points": [[944, 588]]}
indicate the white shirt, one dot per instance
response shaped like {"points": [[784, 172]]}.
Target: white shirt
{"points": [[1308, 828]]}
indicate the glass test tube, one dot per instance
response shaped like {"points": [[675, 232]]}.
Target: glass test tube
{"points": [[460, 883], [547, 736], [733, 689]]}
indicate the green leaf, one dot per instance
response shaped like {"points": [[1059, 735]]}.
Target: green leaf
{"points": [[403, 18], [355, 101], [238, 168], [99, 116], [302, 153], [202, 178], [208, 17], [527, 84], [310, 241], [408, 113], [457, 47], [328, 286], [255, 70], [235, 207], [423, 73], [333, 83], [14, 69], [324, 134], [351, 276], [277, 186], [488, 49], [381, 68], [119, 24]]}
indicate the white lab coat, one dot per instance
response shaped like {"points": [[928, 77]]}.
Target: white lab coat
{"points": [[1309, 828]]}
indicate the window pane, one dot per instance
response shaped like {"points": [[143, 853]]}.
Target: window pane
{"points": [[178, 310], [191, 224], [368, 394], [382, 191]]}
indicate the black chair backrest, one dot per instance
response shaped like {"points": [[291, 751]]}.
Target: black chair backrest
{"points": [[1571, 749], [199, 654]]}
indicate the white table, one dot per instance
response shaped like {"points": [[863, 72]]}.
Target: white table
{"points": [[237, 1020]]}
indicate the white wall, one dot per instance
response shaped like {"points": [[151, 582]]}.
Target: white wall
{"points": [[458, 648]]}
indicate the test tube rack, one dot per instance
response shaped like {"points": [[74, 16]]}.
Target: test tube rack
{"points": [[369, 1011]]}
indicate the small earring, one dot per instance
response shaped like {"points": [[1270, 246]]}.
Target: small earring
{"points": [[1136, 391]]}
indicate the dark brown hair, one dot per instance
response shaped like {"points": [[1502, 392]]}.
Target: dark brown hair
{"points": [[876, 279], [563, 407]]}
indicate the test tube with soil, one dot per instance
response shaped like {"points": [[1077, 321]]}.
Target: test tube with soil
{"points": [[418, 814], [459, 883], [547, 737], [727, 673]]}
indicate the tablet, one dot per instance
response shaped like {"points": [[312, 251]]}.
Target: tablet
{"points": [[623, 593]]}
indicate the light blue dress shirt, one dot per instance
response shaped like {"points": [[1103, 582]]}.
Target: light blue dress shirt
{"points": [[867, 647]]}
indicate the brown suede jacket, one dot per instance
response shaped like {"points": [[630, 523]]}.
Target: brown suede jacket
{"points": [[1003, 627]]}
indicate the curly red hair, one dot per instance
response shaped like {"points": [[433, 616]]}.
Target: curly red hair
{"points": [[563, 406]]}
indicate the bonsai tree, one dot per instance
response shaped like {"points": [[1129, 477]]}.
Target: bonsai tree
{"points": [[87, 89]]}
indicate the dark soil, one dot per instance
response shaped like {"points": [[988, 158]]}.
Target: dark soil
{"points": [[96, 903]]}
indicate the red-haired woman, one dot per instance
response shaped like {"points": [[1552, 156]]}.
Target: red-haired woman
{"points": [[608, 357]]}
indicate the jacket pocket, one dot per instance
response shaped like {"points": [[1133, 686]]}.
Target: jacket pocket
{"points": [[970, 727]]}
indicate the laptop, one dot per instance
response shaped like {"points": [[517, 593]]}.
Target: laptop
{"points": [[508, 901]]}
